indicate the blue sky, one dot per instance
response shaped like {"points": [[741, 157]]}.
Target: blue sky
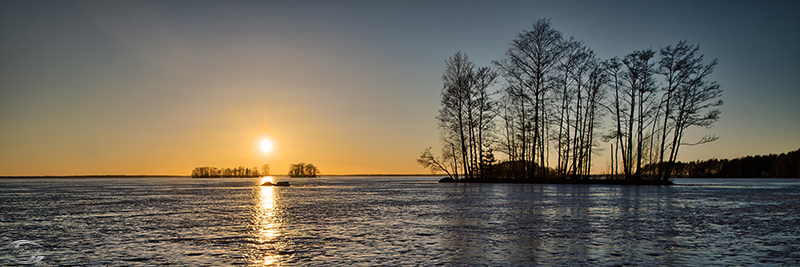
{"points": [[161, 87]]}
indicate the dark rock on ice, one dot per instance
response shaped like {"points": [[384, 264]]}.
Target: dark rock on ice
{"points": [[275, 184]]}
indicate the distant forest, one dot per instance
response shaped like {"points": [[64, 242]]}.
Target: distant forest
{"points": [[785, 165], [559, 102], [214, 172]]}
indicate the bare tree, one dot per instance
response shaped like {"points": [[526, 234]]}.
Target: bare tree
{"points": [[483, 125], [565, 99], [686, 92], [429, 161], [639, 95], [465, 118], [613, 69], [453, 116], [696, 104], [529, 64]]}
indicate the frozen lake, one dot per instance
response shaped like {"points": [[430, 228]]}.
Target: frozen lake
{"points": [[367, 221]]}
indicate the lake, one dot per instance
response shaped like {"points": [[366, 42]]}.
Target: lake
{"points": [[368, 221]]}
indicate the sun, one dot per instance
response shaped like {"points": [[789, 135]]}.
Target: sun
{"points": [[266, 145]]}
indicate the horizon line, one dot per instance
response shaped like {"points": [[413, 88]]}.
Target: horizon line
{"points": [[157, 175]]}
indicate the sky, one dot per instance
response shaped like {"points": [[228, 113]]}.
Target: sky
{"points": [[162, 87]]}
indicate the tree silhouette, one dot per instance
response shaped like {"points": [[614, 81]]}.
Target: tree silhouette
{"points": [[530, 63], [554, 98], [214, 172], [784, 165], [428, 161], [303, 170], [465, 118]]}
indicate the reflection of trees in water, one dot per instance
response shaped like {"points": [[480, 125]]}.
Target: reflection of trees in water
{"points": [[494, 223], [558, 224]]}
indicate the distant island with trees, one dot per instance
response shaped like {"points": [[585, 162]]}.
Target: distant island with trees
{"points": [[299, 170], [559, 102], [302, 170], [238, 172]]}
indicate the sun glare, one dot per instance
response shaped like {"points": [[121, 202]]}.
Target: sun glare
{"points": [[266, 145]]}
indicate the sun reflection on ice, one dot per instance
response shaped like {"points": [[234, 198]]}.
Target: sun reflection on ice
{"points": [[266, 223]]}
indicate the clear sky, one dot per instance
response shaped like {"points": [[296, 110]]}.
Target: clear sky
{"points": [[139, 87]]}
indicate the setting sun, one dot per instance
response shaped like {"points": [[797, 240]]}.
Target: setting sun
{"points": [[265, 145]]}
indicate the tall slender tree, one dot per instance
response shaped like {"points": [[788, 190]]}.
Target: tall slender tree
{"points": [[640, 87], [696, 105], [465, 118], [530, 63], [686, 91]]}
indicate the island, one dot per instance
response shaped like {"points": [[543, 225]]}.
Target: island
{"points": [[303, 170], [551, 105], [238, 172]]}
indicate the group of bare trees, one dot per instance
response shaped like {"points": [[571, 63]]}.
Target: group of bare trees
{"points": [[466, 117], [651, 115], [214, 172], [553, 103], [551, 99], [303, 170]]}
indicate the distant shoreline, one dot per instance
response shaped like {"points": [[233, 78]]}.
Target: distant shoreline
{"points": [[90, 176], [381, 175], [189, 176], [564, 181], [590, 181]]}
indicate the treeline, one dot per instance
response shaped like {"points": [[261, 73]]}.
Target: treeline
{"points": [[558, 101], [214, 172], [785, 165], [302, 170]]}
